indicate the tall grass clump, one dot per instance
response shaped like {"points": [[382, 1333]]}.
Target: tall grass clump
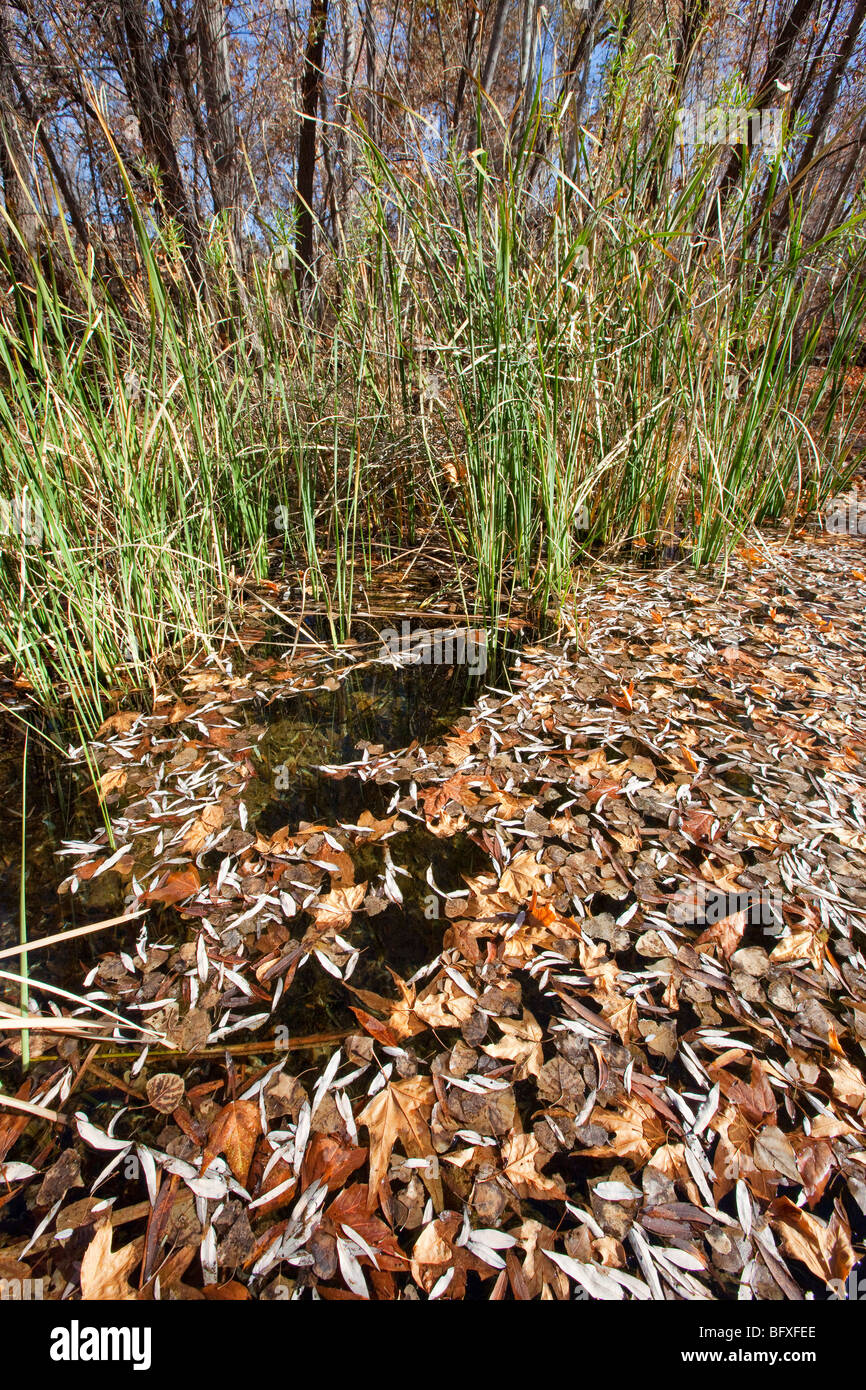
{"points": [[533, 351], [615, 373]]}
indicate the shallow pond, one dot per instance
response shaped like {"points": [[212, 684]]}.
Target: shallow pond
{"points": [[378, 706]]}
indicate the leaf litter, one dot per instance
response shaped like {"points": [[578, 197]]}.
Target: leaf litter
{"points": [[632, 1068]]}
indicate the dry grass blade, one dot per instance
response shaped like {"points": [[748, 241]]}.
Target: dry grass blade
{"points": [[39, 1112], [68, 935]]}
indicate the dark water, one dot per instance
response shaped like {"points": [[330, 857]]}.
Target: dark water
{"points": [[60, 805], [380, 707]]}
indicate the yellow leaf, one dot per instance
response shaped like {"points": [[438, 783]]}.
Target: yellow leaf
{"points": [[103, 1271], [401, 1111], [335, 908], [112, 781]]}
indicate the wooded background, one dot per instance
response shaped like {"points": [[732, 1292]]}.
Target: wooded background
{"points": [[239, 121]]}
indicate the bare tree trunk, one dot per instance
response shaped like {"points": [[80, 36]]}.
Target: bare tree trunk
{"points": [[371, 47], [494, 48], [844, 183], [147, 78], [825, 106], [466, 67], [311, 90], [224, 166], [688, 33], [528, 43], [345, 104], [14, 160], [580, 56], [782, 48], [488, 71]]}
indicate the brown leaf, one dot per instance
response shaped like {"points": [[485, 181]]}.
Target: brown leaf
{"points": [[636, 1131], [234, 1132], [523, 1157], [824, 1249], [377, 828], [328, 1157], [119, 723], [112, 781], [165, 1091], [231, 1291], [520, 1044], [726, 934], [350, 1208], [210, 820], [178, 886], [400, 1111], [435, 1253], [848, 1083], [774, 1153], [64, 1173], [378, 1030], [756, 1100]]}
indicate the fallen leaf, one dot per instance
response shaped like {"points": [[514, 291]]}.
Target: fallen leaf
{"points": [[103, 1271], [401, 1111], [234, 1132]]}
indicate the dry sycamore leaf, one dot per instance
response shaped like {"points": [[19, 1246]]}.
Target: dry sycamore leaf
{"points": [[335, 908], [435, 1253], [630, 843], [815, 1163], [542, 929], [854, 839], [340, 866], [733, 1156], [401, 1111], [103, 1271], [443, 1004], [775, 1154], [755, 1098], [234, 1132], [824, 1249], [112, 781], [402, 1021], [726, 934], [538, 1272], [375, 1027], [522, 877], [330, 1159], [177, 887], [523, 1156], [377, 829], [520, 1044], [119, 723], [800, 945], [210, 820], [848, 1084], [636, 1130], [621, 1013]]}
